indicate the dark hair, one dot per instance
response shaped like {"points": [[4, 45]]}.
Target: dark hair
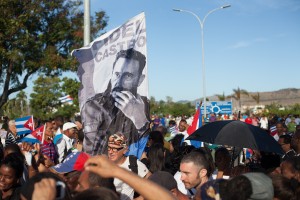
{"points": [[14, 148], [238, 188], [156, 158], [162, 129], [222, 157], [132, 54], [156, 137], [172, 122], [286, 139], [282, 187], [96, 180], [176, 141], [183, 120], [176, 157], [14, 161], [207, 153], [238, 170], [80, 135], [199, 159], [28, 187], [97, 193], [78, 118]]}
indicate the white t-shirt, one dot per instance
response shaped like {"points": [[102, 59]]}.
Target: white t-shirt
{"points": [[125, 190], [264, 123]]}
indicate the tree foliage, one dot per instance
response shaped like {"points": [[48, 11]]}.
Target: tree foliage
{"points": [[237, 95], [169, 107], [37, 37], [16, 107], [44, 98], [45, 102], [256, 97], [221, 97]]}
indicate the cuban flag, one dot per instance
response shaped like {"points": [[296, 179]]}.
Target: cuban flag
{"points": [[197, 123], [36, 136], [66, 99], [24, 125]]}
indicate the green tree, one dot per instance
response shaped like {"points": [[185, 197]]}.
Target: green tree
{"points": [[37, 37], [44, 99], [221, 97], [256, 97], [16, 107], [69, 87], [237, 94]]}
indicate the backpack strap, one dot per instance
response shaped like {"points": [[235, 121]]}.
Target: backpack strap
{"points": [[134, 168], [133, 164]]}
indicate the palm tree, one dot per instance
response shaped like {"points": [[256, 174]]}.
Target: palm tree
{"points": [[237, 94], [221, 97], [22, 100], [256, 97]]}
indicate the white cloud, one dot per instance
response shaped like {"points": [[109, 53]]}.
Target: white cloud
{"points": [[244, 44]]}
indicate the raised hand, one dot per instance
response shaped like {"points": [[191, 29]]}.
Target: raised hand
{"points": [[101, 165]]}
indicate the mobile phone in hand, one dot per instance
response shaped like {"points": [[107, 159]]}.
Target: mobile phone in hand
{"points": [[60, 190]]}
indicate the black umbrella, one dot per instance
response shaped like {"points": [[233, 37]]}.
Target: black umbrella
{"points": [[236, 134]]}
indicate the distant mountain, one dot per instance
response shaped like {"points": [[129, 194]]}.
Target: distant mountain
{"points": [[284, 97]]}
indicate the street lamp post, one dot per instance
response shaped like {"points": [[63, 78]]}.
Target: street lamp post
{"points": [[202, 44]]}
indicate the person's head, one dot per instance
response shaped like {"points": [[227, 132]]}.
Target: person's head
{"points": [[285, 142], [127, 71], [36, 122], [239, 188], [155, 137], [28, 188], [182, 125], [290, 168], [283, 188], [11, 170], [117, 147], [165, 180], [162, 129], [195, 169], [96, 194], [49, 129], [295, 143], [70, 129], [12, 126], [12, 148], [58, 122], [172, 123], [89, 180], [238, 170], [222, 158]]}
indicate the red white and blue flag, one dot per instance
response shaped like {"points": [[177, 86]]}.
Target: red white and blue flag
{"points": [[24, 125], [66, 99], [36, 136], [197, 123]]}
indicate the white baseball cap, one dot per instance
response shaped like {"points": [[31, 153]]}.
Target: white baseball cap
{"points": [[69, 125]]}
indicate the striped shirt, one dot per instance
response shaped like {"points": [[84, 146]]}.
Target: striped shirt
{"points": [[10, 139], [49, 151]]}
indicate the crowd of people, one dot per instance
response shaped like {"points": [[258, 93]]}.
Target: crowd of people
{"points": [[169, 168]]}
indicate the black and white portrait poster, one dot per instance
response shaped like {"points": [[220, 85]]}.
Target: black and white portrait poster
{"points": [[114, 85]]}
